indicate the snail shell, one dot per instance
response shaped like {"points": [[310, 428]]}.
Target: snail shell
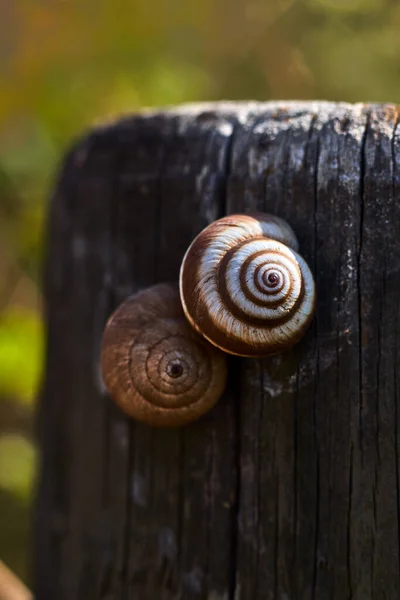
{"points": [[244, 286], [155, 367]]}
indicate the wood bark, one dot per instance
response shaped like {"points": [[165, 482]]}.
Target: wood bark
{"points": [[289, 488]]}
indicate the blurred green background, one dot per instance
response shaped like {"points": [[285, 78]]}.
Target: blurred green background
{"points": [[65, 64]]}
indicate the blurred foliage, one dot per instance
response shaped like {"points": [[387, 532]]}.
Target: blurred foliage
{"points": [[20, 353], [65, 64]]}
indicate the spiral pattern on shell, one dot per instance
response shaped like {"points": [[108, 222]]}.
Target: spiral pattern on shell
{"points": [[244, 286], [155, 367]]}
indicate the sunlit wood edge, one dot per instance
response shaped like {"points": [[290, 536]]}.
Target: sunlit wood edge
{"points": [[12, 588]]}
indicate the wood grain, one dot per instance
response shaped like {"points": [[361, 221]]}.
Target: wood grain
{"points": [[289, 488]]}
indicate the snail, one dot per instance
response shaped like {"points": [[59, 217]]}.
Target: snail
{"points": [[244, 286], [154, 365]]}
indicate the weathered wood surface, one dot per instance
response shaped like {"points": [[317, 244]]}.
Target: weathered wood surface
{"points": [[289, 489]]}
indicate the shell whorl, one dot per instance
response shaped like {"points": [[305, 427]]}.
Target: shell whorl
{"points": [[244, 286], [155, 367]]}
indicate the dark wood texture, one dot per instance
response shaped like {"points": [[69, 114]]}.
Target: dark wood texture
{"points": [[289, 488]]}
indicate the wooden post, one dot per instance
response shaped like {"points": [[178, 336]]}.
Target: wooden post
{"points": [[289, 488]]}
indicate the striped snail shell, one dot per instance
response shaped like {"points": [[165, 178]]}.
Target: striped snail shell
{"points": [[244, 286], [154, 365]]}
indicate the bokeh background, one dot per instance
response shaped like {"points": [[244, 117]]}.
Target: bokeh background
{"points": [[66, 64]]}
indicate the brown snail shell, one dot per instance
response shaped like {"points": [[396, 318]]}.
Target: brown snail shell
{"points": [[244, 286], [154, 365]]}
